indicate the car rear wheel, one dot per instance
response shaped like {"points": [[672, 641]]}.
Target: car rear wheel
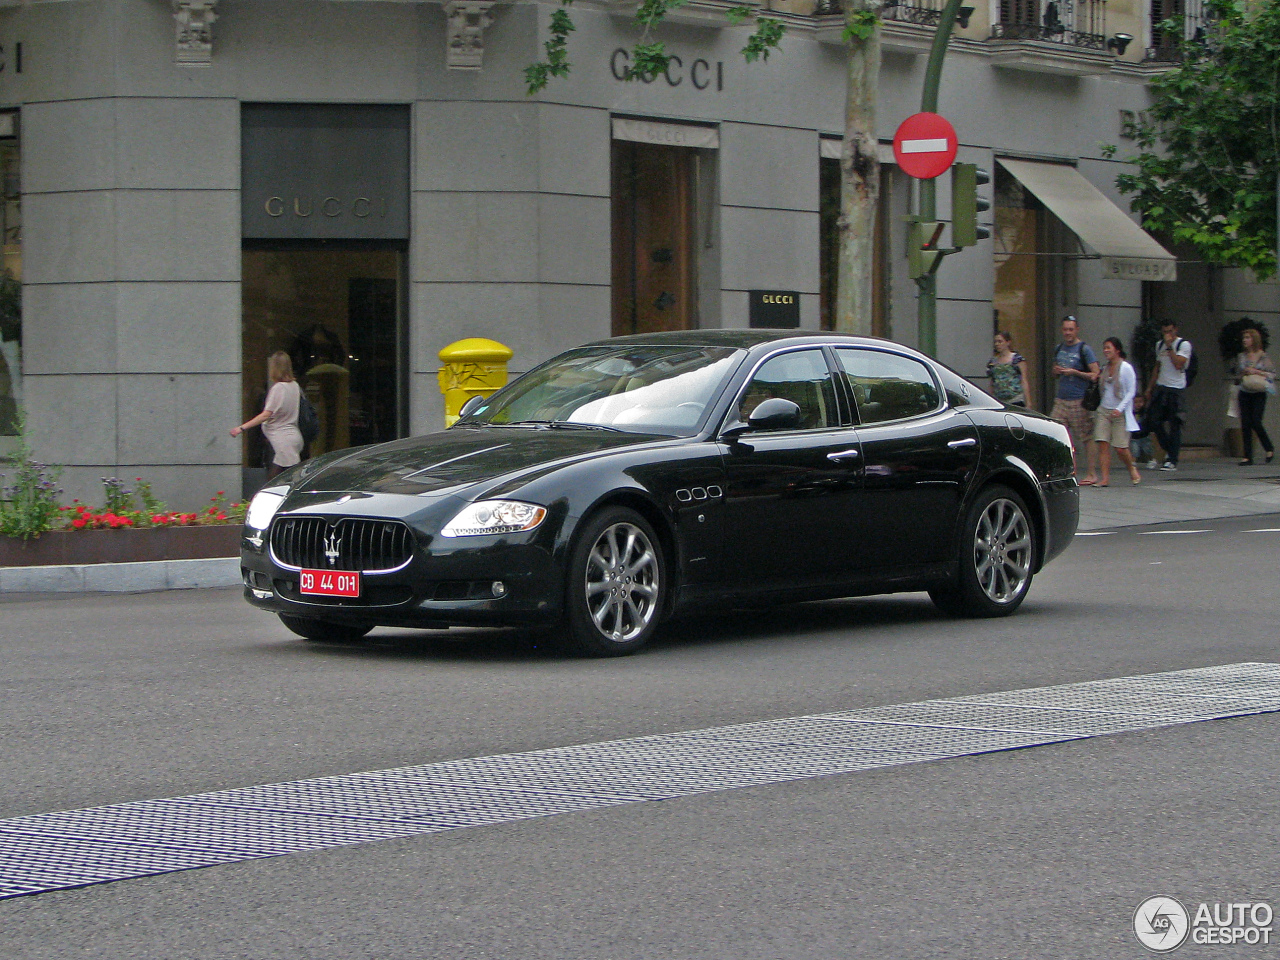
{"points": [[997, 554], [617, 584], [320, 631]]}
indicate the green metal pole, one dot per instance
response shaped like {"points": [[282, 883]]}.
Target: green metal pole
{"points": [[927, 301]]}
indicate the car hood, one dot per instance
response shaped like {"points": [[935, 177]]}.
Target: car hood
{"points": [[440, 463]]}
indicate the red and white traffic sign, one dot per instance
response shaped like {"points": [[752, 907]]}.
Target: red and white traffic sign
{"points": [[925, 145]]}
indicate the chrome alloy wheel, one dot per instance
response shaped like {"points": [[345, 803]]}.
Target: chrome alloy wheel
{"points": [[1002, 551], [622, 582]]}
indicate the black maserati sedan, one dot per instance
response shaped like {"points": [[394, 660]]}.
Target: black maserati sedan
{"points": [[638, 478]]}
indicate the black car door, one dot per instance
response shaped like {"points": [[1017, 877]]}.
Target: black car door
{"points": [[791, 494], [919, 456]]}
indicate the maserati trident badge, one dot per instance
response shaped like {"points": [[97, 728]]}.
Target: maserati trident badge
{"points": [[331, 547]]}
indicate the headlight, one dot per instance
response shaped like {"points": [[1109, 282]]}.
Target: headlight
{"points": [[494, 516], [263, 507]]}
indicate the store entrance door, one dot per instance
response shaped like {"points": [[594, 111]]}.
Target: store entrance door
{"points": [[654, 263], [337, 313]]}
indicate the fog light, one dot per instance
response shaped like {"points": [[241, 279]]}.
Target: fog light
{"points": [[499, 588]]}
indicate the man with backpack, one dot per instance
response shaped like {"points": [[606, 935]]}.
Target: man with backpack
{"points": [[1166, 404]]}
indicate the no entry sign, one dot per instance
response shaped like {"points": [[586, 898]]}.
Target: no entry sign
{"points": [[925, 145]]}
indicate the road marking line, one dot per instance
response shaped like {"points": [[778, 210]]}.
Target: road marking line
{"points": [[1094, 533], [1265, 530], [1157, 533], [76, 848]]}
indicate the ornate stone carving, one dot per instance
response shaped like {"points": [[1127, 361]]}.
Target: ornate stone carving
{"points": [[195, 31], [468, 20]]}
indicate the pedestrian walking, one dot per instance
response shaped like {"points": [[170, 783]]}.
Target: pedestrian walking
{"points": [[1076, 366], [1113, 421], [1256, 376], [1166, 405], [279, 416], [1008, 372]]}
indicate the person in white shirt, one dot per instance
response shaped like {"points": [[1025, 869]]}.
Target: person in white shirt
{"points": [[279, 416], [1166, 407], [1113, 421]]}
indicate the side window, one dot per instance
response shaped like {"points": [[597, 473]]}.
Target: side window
{"points": [[887, 386], [801, 377]]}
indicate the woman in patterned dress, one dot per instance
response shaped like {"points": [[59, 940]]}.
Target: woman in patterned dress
{"points": [[1008, 372]]}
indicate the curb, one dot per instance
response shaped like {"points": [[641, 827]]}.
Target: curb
{"points": [[122, 577]]}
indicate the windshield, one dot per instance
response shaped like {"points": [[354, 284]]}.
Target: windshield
{"points": [[642, 389]]}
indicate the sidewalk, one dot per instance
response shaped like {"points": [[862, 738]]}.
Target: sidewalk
{"points": [[1202, 488]]}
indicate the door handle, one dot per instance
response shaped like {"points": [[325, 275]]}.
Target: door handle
{"points": [[961, 444], [843, 455]]}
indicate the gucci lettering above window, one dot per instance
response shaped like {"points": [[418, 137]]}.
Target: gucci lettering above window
{"points": [[325, 172], [699, 73]]}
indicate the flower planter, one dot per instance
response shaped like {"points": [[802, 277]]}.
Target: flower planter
{"points": [[74, 547]]}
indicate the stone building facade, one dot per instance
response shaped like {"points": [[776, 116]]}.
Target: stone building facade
{"points": [[190, 185]]}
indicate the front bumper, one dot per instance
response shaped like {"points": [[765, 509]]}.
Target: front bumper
{"points": [[445, 583]]}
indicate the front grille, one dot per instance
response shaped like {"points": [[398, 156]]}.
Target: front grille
{"points": [[360, 544]]}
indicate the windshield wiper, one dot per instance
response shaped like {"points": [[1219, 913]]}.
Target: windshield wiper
{"points": [[559, 425], [573, 425]]}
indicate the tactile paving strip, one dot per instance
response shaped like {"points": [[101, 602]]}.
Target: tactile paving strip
{"points": [[75, 848]]}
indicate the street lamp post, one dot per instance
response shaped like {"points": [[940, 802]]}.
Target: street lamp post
{"points": [[927, 300]]}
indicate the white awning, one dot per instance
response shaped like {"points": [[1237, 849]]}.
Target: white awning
{"points": [[1128, 252], [667, 134], [829, 148]]}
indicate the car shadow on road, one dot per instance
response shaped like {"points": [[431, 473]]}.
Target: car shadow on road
{"points": [[822, 621]]}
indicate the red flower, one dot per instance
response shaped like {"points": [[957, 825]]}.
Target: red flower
{"points": [[222, 516], [78, 522]]}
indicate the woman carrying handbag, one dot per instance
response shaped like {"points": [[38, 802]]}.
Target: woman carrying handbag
{"points": [[1256, 375]]}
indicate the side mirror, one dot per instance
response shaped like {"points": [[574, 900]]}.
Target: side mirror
{"points": [[775, 414], [470, 406]]}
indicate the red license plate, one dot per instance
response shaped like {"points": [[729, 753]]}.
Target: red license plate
{"points": [[329, 583]]}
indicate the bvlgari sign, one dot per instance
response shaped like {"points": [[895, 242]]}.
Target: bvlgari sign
{"points": [[324, 172]]}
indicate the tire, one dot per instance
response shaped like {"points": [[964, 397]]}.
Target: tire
{"points": [[997, 554], [616, 589], [319, 631]]}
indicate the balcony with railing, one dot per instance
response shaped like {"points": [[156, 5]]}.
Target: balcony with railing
{"points": [[908, 25], [925, 13], [1074, 23], [1173, 23]]}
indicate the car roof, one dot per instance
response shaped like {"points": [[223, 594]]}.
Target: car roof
{"points": [[743, 339]]}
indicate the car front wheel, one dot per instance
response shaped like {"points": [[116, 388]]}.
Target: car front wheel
{"points": [[321, 632], [997, 554], [617, 584]]}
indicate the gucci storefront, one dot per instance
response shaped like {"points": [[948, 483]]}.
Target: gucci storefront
{"points": [[361, 183]]}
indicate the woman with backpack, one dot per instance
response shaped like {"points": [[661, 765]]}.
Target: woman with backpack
{"points": [[279, 416]]}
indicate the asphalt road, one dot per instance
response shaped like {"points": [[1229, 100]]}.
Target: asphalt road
{"points": [[1034, 853]]}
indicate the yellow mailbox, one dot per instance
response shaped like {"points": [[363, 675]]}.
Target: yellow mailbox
{"points": [[474, 367]]}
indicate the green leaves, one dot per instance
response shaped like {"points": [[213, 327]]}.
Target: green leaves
{"points": [[1209, 147], [768, 36], [538, 75], [860, 24]]}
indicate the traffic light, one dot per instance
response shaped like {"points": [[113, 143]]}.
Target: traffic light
{"points": [[923, 255], [966, 204]]}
